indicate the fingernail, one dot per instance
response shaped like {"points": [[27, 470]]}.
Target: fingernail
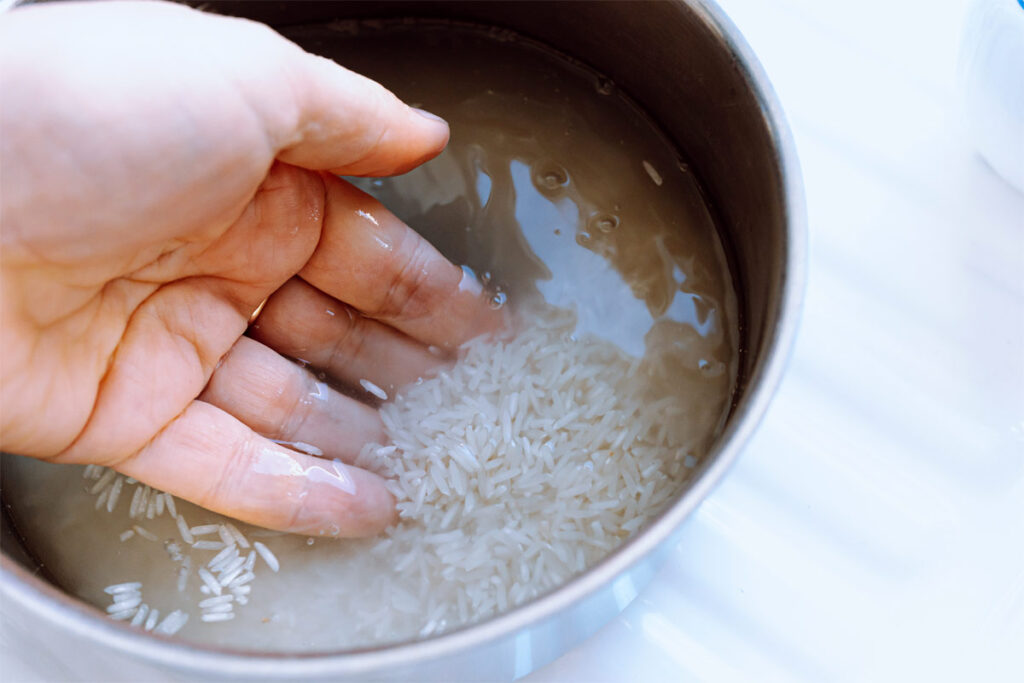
{"points": [[427, 115]]}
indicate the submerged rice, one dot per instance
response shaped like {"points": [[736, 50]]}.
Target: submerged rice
{"points": [[515, 469]]}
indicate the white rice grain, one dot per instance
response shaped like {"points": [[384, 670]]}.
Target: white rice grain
{"points": [[373, 389], [140, 615], [240, 539], [186, 533], [208, 545], [267, 556], [218, 600], [220, 616], [210, 582], [171, 507], [172, 623]]}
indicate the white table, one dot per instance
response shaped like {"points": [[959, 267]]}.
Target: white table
{"points": [[874, 528]]}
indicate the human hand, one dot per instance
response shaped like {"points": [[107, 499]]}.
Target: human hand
{"points": [[162, 173]]}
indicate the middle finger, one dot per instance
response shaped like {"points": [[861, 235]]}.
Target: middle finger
{"points": [[371, 260], [300, 321]]}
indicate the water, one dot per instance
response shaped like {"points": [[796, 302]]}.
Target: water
{"points": [[545, 158], [554, 191]]}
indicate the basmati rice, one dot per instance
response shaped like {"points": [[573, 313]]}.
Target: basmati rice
{"points": [[513, 470], [373, 389], [267, 556]]}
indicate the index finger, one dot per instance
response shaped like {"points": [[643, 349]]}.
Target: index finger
{"points": [[374, 262]]}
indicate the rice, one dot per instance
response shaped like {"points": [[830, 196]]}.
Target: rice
{"points": [[515, 469], [267, 556], [220, 616], [207, 545], [240, 539], [186, 533], [373, 389], [172, 623]]}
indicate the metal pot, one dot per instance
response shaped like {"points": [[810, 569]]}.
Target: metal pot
{"points": [[687, 65]]}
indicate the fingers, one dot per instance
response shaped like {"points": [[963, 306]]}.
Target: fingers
{"points": [[380, 266], [345, 122], [302, 322], [208, 457], [282, 401]]}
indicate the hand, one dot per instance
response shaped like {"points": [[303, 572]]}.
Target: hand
{"points": [[163, 172]]}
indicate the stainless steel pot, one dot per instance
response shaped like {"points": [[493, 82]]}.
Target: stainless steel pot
{"points": [[687, 65]]}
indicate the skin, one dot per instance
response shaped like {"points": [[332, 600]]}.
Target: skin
{"points": [[163, 173]]}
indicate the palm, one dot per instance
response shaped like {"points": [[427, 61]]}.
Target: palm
{"points": [[158, 328], [131, 268]]}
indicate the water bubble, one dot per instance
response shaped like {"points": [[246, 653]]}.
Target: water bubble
{"points": [[583, 238], [498, 299], [309, 541], [710, 369], [604, 222], [485, 277], [550, 177], [557, 231], [605, 86]]}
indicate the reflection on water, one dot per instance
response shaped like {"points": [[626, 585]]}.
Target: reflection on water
{"points": [[553, 185]]}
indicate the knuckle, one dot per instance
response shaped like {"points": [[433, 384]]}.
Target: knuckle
{"points": [[295, 406], [223, 489], [407, 295], [351, 342]]}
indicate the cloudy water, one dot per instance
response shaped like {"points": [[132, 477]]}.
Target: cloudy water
{"points": [[555, 191]]}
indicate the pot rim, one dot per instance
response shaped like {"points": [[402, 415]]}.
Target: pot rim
{"points": [[20, 586]]}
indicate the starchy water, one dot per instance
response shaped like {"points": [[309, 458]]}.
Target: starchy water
{"points": [[576, 213]]}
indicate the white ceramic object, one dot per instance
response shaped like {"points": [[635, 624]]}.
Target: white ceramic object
{"points": [[991, 75]]}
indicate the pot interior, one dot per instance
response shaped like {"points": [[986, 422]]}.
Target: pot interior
{"points": [[667, 59]]}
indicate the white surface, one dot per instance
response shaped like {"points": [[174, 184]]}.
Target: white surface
{"points": [[874, 528]]}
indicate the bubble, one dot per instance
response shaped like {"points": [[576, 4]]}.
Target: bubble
{"points": [[550, 177], [557, 231], [485, 277], [710, 369], [604, 222], [498, 299], [583, 238], [309, 541], [605, 86]]}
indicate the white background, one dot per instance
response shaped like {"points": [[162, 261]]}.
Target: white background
{"points": [[874, 528]]}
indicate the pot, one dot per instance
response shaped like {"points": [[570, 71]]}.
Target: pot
{"points": [[688, 67]]}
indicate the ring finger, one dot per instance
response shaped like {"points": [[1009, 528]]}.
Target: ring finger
{"points": [[282, 401]]}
